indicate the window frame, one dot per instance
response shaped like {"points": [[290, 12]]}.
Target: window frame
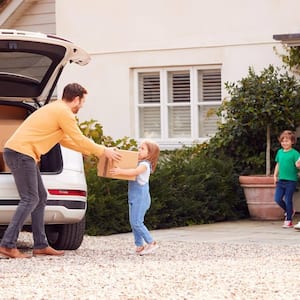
{"points": [[164, 103]]}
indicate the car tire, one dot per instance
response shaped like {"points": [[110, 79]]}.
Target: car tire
{"points": [[66, 236]]}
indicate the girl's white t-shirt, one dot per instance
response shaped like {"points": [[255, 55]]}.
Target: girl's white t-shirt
{"points": [[144, 177]]}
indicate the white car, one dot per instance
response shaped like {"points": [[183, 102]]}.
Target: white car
{"points": [[30, 66]]}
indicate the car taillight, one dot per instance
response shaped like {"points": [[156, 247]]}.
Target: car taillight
{"points": [[67, 192]]}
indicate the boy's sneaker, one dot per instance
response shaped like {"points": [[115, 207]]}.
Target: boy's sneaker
{"points": [[297, 226], [287, 224], [149, 248]]}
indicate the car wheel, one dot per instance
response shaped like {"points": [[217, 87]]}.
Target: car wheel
{"points": [[66, 236]]}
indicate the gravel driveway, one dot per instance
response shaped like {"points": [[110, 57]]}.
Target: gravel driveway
{"points": [[107, 268]]}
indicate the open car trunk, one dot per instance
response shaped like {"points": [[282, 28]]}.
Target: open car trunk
{"points": [[12, 115]]}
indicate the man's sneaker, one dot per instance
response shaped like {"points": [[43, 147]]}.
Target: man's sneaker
{"points": [[287, 224], [149, 248]]}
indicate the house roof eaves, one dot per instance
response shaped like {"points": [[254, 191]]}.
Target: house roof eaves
{"points": [[13, 11], [291, 39]]}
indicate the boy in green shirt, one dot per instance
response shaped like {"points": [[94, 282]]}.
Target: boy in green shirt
{"points": [[286, 175]]}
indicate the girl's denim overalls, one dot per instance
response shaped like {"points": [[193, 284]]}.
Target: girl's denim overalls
{"points": [[139, 201]]}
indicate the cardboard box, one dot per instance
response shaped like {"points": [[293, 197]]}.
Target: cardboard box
{"points": [[7, 128], [129, 160], [8, 112]]}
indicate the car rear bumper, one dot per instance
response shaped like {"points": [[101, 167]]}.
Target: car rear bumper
{"points": [[56, 212]]}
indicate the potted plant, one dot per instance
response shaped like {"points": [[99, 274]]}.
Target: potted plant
{"points": [[260, 107]]}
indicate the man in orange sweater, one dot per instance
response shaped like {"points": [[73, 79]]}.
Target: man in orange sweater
{"points": [[53, 123]]}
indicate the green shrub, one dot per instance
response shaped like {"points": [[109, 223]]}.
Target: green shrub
{"points": [[190, 188], [107, 205]]}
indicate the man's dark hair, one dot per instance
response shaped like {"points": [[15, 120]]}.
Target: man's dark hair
{"points": [[73, 90]]}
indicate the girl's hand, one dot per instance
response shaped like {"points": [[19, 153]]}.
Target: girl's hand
{"points": [[115, 171], [298, 163]]}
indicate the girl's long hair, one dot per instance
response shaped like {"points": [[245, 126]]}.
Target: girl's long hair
{"points": [[153, 153]]}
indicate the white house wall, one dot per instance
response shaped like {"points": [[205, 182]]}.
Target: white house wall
{"points": [[130, 25], [122, 35]]}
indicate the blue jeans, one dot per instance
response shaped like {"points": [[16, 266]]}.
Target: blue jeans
{"points": [[285, 189], [33, 198], [139, 202]]}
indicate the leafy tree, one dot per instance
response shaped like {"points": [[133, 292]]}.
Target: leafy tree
{"points": [[260, 107]]}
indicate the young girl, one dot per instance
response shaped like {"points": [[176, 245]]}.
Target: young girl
{"points": [[139, 196], [286, 175]]}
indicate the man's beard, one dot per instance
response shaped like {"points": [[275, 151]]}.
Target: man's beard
{"points": [[75, 110]]}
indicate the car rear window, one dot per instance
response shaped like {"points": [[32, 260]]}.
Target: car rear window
{"points": [[28, 65]]}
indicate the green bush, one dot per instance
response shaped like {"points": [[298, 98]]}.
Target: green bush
{"points": [[107, 205], [191, 188]]}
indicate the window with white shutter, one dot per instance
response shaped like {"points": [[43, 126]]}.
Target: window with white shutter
{"points": [[179, 104], [149, 105], [174, 104], [209, 94]]}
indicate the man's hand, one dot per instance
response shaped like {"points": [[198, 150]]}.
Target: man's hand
{"points": [[112, 153]]}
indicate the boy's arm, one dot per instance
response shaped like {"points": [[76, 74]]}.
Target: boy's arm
{"points": [[276, 173], [297, 163]]}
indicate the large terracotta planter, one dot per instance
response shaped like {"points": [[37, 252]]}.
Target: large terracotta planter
{"points": [[259, 192]]}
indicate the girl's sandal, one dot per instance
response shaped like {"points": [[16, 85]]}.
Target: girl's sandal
{"points": [[138, 250]]}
